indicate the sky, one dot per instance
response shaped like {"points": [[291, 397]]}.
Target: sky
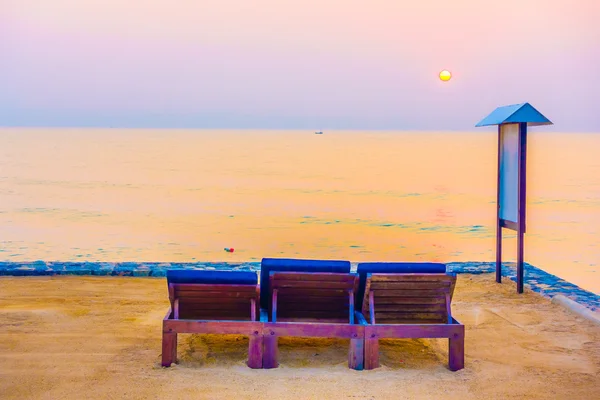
{"points": [[287, 64]]}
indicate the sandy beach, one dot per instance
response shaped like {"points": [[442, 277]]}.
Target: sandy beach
{"points": [[89, 337]]}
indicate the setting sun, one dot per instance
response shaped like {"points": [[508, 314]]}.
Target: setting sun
{"points": [[445, 75]]}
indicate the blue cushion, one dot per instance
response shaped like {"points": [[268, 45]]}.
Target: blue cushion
{"points": [[297, 265], [211, 277], [392, 268]]}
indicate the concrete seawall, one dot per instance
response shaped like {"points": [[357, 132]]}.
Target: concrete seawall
{"points": [[577, 308]]}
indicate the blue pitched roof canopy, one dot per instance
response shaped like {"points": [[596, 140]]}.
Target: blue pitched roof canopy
{"points": [[515, 113]]}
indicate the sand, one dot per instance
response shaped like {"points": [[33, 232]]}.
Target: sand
{"points": [[100, 338]]}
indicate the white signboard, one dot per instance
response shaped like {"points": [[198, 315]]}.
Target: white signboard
{"points": [[509, 173]]}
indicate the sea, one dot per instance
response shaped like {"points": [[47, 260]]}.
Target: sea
{"points": [[86, 194]]}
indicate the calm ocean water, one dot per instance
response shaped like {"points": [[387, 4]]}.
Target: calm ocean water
{"points": [[185, 195]]}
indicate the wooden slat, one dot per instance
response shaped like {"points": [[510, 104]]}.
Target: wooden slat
{"points": [[416, 278], [434, 308], [288, 303], [285, 298], [216, 316], [311, 276], [410, 285], [273, 309], [313, 330], [333, 307], [394, 321], [414, 331], [365, 304], [452, 289], [223, 327], [408, 300], [344, 320], [372, 307], [410, 293], [321, 285], [235, 308], [351, 306], [315, 292], [216, 288], [377, 277], [241, 306], [253, 309], [313, 314], [171, 293], [176, 309], [204, 300], [340, 300], [245, 312], [408, 314], [312, 295], [209, 300], [215, 295]]}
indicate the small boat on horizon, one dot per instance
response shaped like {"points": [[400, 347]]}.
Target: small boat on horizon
{"points": [[319, 133]]}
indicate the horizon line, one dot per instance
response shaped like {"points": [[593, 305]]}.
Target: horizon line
{"points": [[472, 129]]}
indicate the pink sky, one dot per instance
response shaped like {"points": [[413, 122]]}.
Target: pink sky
{"points": [[297, 64]]}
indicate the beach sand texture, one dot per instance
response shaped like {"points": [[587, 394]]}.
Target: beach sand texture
{"points": [[73, 337]]}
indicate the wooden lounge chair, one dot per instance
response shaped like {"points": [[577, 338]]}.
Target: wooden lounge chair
{"points": [[223, 302], [414, 304], [304, 301]]}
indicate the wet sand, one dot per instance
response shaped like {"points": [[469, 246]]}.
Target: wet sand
{"points": [[87, 337]]}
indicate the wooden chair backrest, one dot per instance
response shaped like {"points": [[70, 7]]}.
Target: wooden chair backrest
{"points": [[316, 296], [214, 302], [408, 298]]}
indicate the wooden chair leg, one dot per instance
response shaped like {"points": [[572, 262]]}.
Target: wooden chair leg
{"points": [[270, 353], [356, 354], [456, 351], [371, 351], [174, 354], [255, 350], [169, 349]]}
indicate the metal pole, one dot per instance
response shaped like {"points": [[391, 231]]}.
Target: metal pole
{"points": [[522, 202], [520, 261], [498, 226]]}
